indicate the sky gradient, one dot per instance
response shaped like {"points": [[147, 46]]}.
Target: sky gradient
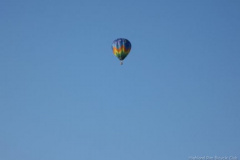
{"points": [[65, 96]]}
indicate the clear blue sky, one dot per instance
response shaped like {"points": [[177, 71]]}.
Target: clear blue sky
{"points": [[64, 95]]}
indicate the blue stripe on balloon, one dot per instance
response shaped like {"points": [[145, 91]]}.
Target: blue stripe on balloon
{"points": [[118, 43]]}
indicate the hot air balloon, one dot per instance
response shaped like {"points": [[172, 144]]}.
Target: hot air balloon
{"points": [[121, 48]]}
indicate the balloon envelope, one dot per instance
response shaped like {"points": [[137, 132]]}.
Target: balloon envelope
{"points": [[121, 48]]}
